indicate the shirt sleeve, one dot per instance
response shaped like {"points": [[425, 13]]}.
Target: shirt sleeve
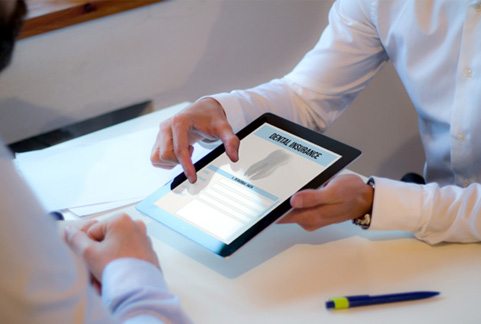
{"points": [[326, 80], [434, 214], [43, 281], [135, 292]]}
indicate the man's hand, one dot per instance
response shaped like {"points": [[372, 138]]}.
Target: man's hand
{"points": [[106, 241], [344, 198], [203, 119]]}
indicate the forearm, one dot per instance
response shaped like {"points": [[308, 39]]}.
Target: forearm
{"points": [[326, 80], [434, 214], [278, 96]]}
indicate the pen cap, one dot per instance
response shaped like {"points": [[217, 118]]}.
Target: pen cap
{"points": [[337, 303]]}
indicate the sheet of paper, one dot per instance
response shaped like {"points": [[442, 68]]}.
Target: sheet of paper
{"points": [[92, 210], [107, 171]]}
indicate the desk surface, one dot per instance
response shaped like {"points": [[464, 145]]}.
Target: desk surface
{"points": [[285, 275]]}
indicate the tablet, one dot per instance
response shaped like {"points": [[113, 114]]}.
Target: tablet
{"points": [[232, 202]]}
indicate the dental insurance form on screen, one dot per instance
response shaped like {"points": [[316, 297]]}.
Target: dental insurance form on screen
{"points": [[230, 197]]}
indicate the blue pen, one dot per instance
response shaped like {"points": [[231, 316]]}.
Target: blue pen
{"points": [[365, 300], [57, 215]]}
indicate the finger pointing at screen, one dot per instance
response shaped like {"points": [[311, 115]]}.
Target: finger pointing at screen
{"points": [[205, 119]]}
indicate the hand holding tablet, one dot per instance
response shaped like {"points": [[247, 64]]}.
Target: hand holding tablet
{"points": [[231, 202]]}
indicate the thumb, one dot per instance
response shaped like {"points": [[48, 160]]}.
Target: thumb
{"points": [[307, 198], [78, 241], [97, 231]]}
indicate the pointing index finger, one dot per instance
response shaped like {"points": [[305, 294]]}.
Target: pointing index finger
{"points": [[182, 150]]}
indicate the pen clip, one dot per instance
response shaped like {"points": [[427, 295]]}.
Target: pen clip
{"points": [[358, 297]]}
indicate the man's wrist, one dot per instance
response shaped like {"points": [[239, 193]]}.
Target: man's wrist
{"points": [[214, 103]]}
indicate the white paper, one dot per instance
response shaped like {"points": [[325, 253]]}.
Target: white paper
{"points": [[91, 210], [104, 172]]}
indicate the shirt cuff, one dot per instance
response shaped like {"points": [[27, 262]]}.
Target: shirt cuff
{"points": [[124, 275], [233, 110], [397, 206]]}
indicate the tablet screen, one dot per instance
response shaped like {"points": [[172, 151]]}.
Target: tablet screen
{"points": [[228, 198], [232, 202]]}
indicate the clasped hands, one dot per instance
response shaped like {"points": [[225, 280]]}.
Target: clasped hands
{"points": [[100, 242]]}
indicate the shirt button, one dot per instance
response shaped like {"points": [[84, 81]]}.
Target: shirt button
{"points": [[460, 136], [468, 73]]}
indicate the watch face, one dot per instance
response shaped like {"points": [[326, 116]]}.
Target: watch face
{"points": [[365, 221]]}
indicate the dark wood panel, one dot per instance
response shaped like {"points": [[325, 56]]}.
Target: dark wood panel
{"points": [[47, 15]]}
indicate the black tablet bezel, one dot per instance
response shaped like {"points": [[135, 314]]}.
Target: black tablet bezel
{"points": [[347, 153]]}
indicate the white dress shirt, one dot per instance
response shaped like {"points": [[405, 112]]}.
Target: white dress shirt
{"points": [[42, 281], [435, 47]]}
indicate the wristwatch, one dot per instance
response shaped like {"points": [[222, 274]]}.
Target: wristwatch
{"points": [[365, 221]]}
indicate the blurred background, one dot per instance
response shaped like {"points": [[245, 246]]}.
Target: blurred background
{"points": [[179, 50]]}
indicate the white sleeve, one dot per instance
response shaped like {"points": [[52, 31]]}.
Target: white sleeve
{"points": [[434, 214], [327, 79], [135, 292]]}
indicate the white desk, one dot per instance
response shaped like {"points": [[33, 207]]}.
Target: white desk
{"points": [[286, 274]]}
